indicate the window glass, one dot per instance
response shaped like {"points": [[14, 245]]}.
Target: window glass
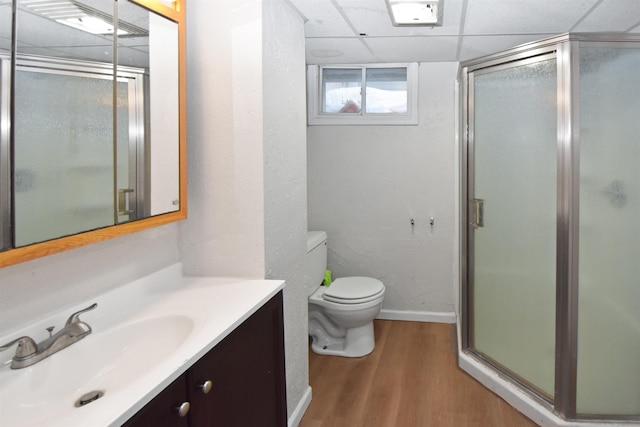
{"points": [[386, 90], [341, 90], [368, 94]]}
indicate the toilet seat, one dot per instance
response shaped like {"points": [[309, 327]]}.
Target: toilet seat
{"points": [[354, 290]]}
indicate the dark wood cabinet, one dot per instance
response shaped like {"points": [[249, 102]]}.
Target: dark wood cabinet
{"points": [[246, 375], [162, 411]]}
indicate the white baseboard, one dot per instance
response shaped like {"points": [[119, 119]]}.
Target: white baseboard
{"points": [[417, 316], [301, 408]]}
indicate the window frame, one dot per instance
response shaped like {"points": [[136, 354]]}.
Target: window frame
{"points": [[315, 98]]}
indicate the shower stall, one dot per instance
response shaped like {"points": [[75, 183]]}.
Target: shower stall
{"points": [[550, 224]]}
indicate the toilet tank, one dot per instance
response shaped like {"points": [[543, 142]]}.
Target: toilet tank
{"points": [[316, 260]]}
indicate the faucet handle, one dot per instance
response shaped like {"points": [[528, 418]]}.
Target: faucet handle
{"points": [[75, 317], [26, 347]]}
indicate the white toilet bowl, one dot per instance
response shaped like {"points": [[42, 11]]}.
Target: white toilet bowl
{"points": [[341, 316]]}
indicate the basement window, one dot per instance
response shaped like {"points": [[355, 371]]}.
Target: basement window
{"points": [[363, 94]]}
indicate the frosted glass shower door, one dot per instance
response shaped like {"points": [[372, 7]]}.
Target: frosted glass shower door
{"points": [[63, 164], [65, 177], [609, 268], [512, 238]]}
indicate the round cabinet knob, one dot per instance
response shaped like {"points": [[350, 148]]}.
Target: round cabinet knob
{"points": [[206, 386], [183, 409]]}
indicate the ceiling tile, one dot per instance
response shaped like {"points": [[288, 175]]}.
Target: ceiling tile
{"points": [[372, 18], [523, 16], [324, 20], [476, 46], [133, 57], [126, 56], [93, 53], [369, 17], [413, 49], [5, 43], [352, 49], [612, 15], [5, 20], [134, 41]]}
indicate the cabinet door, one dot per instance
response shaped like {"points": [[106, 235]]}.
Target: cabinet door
{"points": [[162, 411], [247, 373]]}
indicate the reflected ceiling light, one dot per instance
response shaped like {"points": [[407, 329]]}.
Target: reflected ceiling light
{"points": [[82, 17], [415, 12], [91, 25]]}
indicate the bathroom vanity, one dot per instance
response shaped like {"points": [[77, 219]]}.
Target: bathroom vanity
{"points": [[240, 382], [157, 344]]}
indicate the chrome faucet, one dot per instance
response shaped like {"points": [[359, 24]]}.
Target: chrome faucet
{"points": [[29, 353]]}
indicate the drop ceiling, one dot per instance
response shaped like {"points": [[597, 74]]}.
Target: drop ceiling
{"points": [[360, 31], [39, 35]]}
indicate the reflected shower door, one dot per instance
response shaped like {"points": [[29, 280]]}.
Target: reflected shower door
{"points": [[63, 178], [126, 153], [512, 212], [65, 174]]}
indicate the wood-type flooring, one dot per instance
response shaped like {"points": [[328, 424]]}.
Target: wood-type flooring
{"points": [[410, 380]]}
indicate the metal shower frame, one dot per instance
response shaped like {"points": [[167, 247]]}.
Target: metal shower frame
{"points": [[566, 50]]}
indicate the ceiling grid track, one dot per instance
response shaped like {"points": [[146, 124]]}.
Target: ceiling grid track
{"points": [[463, 19], [355, 31], [584, 16]]}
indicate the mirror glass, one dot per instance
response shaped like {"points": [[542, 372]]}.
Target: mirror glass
{"points": [[93, 144]]}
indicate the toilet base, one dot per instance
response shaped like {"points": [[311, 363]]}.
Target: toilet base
{"points": [[357, 342]]}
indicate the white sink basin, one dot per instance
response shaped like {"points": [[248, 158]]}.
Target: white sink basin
{"points": [[103, 361], [145, 335]]}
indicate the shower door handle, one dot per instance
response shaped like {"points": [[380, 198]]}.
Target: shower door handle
{"points": [[122, 201], [477, 213]]}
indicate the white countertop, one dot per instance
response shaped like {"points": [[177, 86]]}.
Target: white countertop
{"points": [[206, 308]]}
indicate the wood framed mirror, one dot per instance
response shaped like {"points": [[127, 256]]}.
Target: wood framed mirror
{"points": [[92, 122]]}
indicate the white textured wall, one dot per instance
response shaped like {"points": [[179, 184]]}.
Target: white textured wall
{"points": [[225, 231], [366, 182], [285, 179], [35, 289], [247, 151]]}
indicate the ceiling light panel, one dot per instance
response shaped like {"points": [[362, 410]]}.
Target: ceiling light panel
{"points": [[82, 17], [372, 17], [415, 12]]}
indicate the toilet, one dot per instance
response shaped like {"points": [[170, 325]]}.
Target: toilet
{"points": [[341, 315]]}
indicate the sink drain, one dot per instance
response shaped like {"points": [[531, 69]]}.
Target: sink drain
{"points": [[87, 398]]}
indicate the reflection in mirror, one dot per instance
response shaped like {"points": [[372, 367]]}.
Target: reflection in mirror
{"points": [[5, 100], [70, 174], [156, 53], [63, 155]]}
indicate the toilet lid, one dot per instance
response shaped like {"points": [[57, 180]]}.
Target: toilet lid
{"points": [[351, 290]]}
